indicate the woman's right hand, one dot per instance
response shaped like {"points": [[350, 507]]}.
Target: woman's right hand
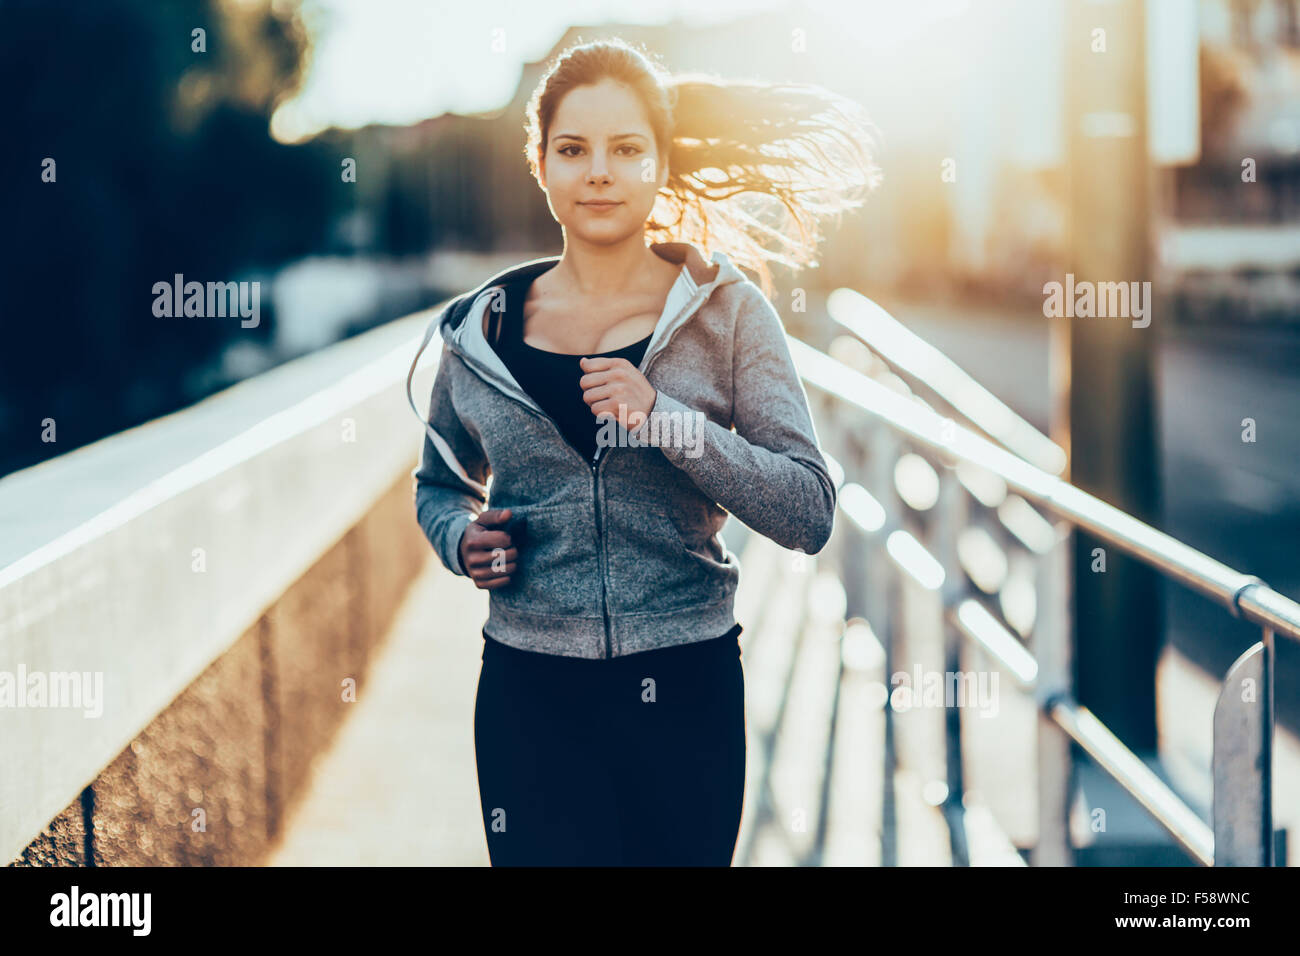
{"points": [[488, 554]]}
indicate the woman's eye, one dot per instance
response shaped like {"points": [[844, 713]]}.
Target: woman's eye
{"points": [[564, 150]]}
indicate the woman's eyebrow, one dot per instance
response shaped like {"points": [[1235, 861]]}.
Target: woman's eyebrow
{"points": [[582, 139]]}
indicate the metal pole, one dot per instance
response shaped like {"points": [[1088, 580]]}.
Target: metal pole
{"points": [[951, 518], [1242, 761], [855, 553], [1110, 436], [1050, 644]]}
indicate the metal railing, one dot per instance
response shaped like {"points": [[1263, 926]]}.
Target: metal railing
{"points": [[965, 523]]}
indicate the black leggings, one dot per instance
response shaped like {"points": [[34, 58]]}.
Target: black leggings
{"points": [[587, 763]]}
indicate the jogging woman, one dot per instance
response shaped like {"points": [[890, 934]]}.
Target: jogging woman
{"points": [[623, 398]]}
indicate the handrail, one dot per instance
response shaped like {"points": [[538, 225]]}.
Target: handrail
{"points": [[1242, 752], [1092, 735], [1136, 777], [1244, 595], [903, 348]]}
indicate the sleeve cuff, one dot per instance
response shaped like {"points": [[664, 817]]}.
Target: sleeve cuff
{"points": [[455, 530]]}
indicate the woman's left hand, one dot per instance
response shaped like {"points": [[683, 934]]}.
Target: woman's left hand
{"points": [[616, 387]]}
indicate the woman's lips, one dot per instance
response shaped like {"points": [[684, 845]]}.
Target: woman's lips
{"points": [[600, 205]]}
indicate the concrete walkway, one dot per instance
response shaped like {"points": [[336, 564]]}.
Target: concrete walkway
{"points": [[399, 786]]}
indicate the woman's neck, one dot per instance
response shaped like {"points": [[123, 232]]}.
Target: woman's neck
{"points": [[603, 271]]}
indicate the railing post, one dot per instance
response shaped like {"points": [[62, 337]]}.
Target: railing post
{"points": [[950, 518], [1242, 761], [921, 733], [882, 451], [855, 545], [883, 591], [1050, 645]]}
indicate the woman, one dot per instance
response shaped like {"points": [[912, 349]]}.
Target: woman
{"points": [[598, 390]]}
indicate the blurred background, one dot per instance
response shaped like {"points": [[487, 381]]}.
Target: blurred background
{"points": [[362, 162]]}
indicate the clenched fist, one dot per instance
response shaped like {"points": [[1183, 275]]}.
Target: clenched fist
{"points": [[616, 387], [487, 552]]}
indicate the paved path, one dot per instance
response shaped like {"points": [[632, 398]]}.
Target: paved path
{"points": [[399, 786]]}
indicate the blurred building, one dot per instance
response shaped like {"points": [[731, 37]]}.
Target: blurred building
{"points": [[1232, 251], [971, 113]]}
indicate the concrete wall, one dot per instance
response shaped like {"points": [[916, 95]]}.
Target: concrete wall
{"points": [[226, 601], [238, 743]]}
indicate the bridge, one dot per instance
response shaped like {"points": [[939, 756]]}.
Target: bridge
{"points": [[288, 673]]}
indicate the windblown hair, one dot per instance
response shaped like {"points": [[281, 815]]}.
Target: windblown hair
{"points": [[753, 166]]}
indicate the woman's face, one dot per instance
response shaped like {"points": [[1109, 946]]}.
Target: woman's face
{"points": [[601, 147]]}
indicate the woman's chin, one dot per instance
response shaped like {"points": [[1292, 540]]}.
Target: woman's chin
{"points": [[607, 235]]}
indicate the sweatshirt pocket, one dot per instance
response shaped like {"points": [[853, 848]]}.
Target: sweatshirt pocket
{"points": [[557, 573], [651, 569]]}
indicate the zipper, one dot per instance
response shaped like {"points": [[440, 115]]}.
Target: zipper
{"points": [[593, 464], [600, 549]]}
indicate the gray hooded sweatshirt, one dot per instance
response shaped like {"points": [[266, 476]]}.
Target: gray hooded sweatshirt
{"points": [[622, 553]]}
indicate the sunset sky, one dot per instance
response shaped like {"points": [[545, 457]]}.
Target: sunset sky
{"points": [[400, 61]]}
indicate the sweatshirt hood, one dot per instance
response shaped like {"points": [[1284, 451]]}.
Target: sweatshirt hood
{"points": [[461, 323]]}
